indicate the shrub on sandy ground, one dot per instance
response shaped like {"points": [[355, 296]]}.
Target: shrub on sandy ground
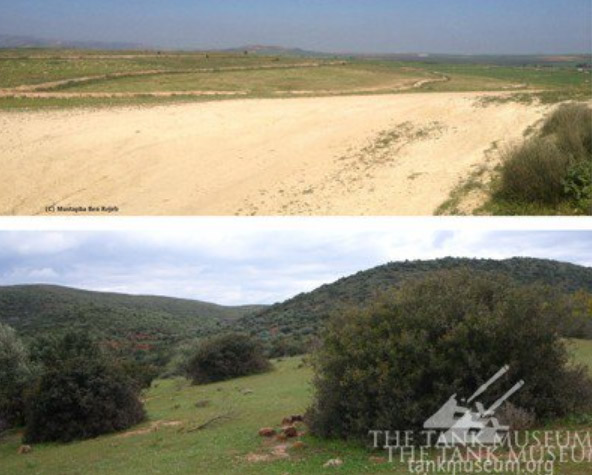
{"points": [[226, 357], [15, 373], [393, 364], [553, 167], [534, 172], [571, 127], [80, 394]]}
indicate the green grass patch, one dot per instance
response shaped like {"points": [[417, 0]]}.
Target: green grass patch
{"points": [[168, 443], [527, 77], [259, 81], [264, 76], [35, 69]]}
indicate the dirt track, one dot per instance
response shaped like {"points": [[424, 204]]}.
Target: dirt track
{"points": [[361, 155], [48, 90], [45, 88]]}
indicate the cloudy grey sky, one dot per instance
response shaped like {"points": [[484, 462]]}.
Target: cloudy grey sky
{"points": [[245, 263]]}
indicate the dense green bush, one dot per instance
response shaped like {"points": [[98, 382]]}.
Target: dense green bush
{"points": [[579, 322], [80, 394], [553, 167], [577, 183], [141, 373], [52, 349], [226, 357], [393, 364], [287, 346], [15, 373]]}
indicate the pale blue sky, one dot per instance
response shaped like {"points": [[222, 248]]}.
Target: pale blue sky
{"points": [[245, 263], [436, 26]]}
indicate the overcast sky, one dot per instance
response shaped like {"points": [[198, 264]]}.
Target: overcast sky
{"points": [[437, 26], [243, 263]]}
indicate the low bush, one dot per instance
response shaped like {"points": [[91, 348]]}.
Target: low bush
{"points": [[571, 128], [226, 357], [141, 373], [577, 183], [80, 394], [393, 364], [534, 172], [287, 346], [552, 168]]}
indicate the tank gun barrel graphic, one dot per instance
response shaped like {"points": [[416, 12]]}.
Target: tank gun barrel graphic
{"points": [[485, 386], [504, 398]]}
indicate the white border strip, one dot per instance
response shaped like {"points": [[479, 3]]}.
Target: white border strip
{"points": [[183, 224]]}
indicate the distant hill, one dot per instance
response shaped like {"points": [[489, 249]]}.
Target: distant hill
{"points": [[139, 321], [15, 41], [304, 314], [531, 60], [266, 50], [156, 325]]}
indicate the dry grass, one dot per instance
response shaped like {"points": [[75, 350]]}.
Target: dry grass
{"points": [[552, 170]]}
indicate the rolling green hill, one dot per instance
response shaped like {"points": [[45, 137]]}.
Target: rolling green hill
{"points": [[155, 325], [303, 315], [142, 321]]}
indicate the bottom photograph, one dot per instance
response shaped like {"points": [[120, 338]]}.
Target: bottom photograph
{"points": [[292, 349]]}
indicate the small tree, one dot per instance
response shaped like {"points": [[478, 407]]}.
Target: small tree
{"points": [[15, 373], [226, 357], [80, 394], [392, 365], [287, 346]]}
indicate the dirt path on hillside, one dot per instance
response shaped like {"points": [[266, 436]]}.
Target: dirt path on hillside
{"points": [[109, 95], [390, 88], [361, 155], [48, 90], [399, 86], [46, 87]]}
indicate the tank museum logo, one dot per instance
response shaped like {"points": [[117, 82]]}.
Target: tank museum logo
{"points": [[465, 436], [461, 425]]}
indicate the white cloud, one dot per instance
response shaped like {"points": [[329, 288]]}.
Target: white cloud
{"points": [[26, 274], [255, 261], [34, 244]]}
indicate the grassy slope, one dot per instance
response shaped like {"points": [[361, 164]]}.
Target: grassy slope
{"points": [[218, 449], [20, 67], [582, 351], [525, 76], [41, 67], [263, 82]]}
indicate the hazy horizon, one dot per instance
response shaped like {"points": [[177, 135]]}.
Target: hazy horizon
{"points": [[461, 27]]}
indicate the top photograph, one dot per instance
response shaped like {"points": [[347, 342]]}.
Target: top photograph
{"points": [[296, 108]]}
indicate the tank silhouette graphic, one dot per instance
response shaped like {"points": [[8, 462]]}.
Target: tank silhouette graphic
{"points": [[463, 426]]}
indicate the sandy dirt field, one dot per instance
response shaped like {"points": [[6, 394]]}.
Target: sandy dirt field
{"points": [[360, 155]]}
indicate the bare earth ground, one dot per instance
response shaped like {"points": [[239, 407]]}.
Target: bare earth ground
{"points": [[360, 155]]}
